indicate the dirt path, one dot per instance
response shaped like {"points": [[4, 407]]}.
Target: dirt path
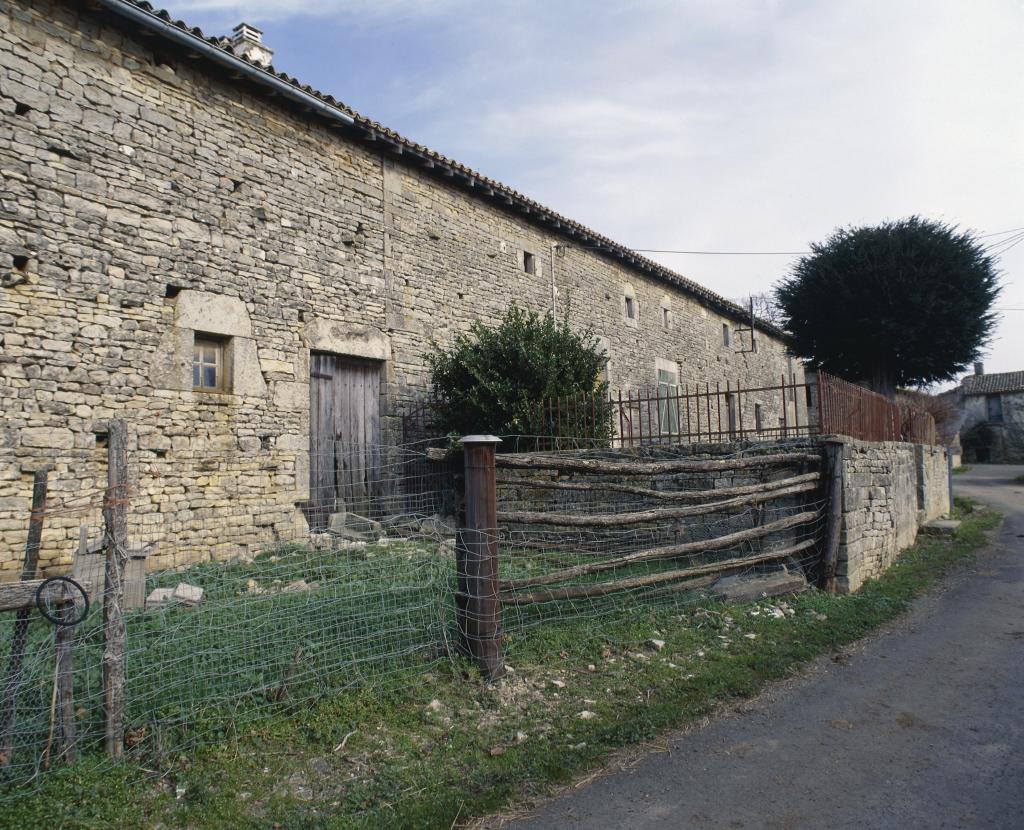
{"points": [[923, 727]]}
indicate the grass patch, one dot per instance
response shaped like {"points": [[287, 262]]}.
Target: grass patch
{"points": [[964, 468], [439, 746]]}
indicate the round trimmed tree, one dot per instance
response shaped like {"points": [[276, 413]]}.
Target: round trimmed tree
{"points": [[903, 304]]}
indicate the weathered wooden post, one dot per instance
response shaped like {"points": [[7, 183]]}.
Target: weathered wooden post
{"points": [[478, 609], [834, 516], [16, 659], [115, 520], [64, 640]]}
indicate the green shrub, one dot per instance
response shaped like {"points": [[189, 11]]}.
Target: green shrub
{"points": [[496, 379]]}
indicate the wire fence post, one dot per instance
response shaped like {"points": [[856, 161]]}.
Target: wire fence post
{"points": [[16, 660], [478, 607], [115, 520]]}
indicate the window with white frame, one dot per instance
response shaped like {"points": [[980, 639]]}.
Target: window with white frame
{"points": [[210, 363], [668, 401]]}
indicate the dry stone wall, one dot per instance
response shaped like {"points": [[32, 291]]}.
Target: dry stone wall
{"points": [[149, 198], [889, 489]]}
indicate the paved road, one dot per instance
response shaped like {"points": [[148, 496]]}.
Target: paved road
{"points": [[923, 728]]}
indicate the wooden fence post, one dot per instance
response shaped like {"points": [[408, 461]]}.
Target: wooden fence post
{"points": [[834, 517], [115, 520], [478, 609], [16, 659]]}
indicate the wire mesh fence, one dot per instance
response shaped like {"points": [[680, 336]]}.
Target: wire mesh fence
{"points": [[232, 611], [590, 540]]}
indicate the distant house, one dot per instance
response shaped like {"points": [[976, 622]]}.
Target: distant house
{"points": [[992, 407]]}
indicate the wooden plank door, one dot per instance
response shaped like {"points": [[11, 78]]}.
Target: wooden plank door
{"points": [[344, 436]]}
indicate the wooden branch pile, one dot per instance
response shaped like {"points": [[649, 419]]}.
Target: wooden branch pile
{"points": [[709, 501]]}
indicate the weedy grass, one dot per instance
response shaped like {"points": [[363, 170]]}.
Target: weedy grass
{"points": [[441, 746]]}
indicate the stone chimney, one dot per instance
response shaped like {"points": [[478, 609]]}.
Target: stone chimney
{"points": [[979, 367], [247, 42]]}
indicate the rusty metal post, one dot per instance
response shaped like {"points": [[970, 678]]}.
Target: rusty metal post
{"points": [[478, 606]]}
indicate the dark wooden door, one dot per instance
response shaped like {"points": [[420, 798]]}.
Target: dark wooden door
{"points": [[344, 436]]}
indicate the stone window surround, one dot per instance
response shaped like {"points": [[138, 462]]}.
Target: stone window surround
{"points": [[522, 254], [218, 316], [629, 297], [666, 313], [529, 262]]}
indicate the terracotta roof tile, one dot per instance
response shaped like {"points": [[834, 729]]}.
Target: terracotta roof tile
{"points": [[993, 384]]}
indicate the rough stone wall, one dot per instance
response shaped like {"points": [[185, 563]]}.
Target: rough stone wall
{"points": [[888, 489], [148, 198], [932, 482], [1004, 439], [477, 250], [126, 179]]}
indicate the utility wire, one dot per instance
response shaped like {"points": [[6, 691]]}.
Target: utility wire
{"points": [[720, 253], [1011, 241]]}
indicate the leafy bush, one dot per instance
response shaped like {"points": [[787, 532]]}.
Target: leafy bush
{"points": [[496, 380]]}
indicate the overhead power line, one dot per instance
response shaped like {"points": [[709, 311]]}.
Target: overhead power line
{"points": [[1008, 241], [720, 253]]}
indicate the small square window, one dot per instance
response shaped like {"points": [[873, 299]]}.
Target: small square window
{"points": [[209, 369], [726, 335], [529, 263], [630, 308]]}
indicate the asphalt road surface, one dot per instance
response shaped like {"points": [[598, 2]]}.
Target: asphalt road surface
{"points": [[923, 727]]}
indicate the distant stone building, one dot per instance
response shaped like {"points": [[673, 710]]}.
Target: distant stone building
{"points": [[250, 273], [992, 411]]}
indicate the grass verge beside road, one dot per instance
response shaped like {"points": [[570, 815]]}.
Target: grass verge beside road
{"points": [[445, 747]]}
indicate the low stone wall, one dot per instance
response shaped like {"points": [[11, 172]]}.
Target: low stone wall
{"points": [[889, 490]]}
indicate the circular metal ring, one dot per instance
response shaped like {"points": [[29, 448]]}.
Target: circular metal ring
{"points": [[62, 601]]}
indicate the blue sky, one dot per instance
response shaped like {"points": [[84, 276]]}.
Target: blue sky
{"points": [[719, 125]]}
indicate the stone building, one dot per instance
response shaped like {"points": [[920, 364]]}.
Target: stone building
{"points": [[991, 407], [236, 263]]}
